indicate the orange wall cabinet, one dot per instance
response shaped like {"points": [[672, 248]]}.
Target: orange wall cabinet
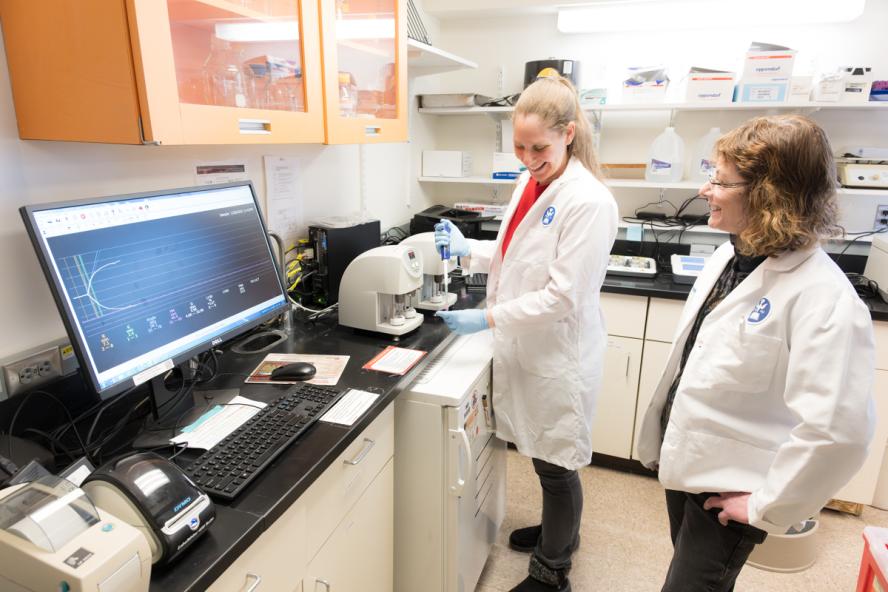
{"points": [[166, 71], [365, 70]]}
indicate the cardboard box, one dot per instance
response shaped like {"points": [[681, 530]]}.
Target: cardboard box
{"points": [[485, 209], [800, 88], [709, 86], [768, 64], [647, 93], [446, 163], [506, 165], [762, 91], [858, 81], [828, 87]]}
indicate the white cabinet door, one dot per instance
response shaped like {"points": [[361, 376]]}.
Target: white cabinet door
{"points": [[655, 356], [615, 412], [358, 556], [861, 488]]}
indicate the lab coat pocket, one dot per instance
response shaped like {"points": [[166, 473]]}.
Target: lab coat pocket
{"points": [[742, 363], [544, 352]]}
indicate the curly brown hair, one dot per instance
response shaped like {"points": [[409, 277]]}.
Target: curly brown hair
{"points": [[791, 196]]}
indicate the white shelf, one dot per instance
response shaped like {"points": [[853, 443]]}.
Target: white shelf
{"points": [[424, 59], [870, 106], [642, 184], [468, 180], [860, 191]]}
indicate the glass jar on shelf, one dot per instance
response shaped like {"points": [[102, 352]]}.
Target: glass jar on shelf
{"points": [[225, 81], [348, 95]]}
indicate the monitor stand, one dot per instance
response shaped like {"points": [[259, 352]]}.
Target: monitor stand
{"points": [[170, 410], [259, 342]]}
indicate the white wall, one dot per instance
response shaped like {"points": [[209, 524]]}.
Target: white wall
{"points": [[36, 171], [507, 42]]}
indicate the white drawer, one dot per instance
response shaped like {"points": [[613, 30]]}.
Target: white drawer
{"points": [[329, 498], [624, 314], [881, 330], [274, 561], [662, 319]]}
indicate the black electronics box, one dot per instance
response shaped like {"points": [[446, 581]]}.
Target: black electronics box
{"points": [[468, 222], [569, 69], [334, 248]]}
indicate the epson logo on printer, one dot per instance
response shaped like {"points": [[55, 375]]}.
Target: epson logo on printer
{"points": [[182, 504]]}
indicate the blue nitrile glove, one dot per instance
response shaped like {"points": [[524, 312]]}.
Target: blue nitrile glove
{"points": [[448, 235], [463, 322]]}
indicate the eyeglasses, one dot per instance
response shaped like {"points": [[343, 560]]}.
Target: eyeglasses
{"points": [[724, 185]]}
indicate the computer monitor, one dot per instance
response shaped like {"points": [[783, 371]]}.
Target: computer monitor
{"points": [[146, 281]]}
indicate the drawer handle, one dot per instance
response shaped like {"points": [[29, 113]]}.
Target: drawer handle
{"points": [[368, 444], [254, 126], [255, 585], [324, 582]]}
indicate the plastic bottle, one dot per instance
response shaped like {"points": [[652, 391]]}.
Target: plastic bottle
{"points": [[666, 158], [703, 162]]}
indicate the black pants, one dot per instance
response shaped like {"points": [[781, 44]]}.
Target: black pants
{"points": [[562, 509], [707, 557]]}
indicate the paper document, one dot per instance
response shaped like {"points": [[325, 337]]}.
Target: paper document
{"points": [[395, 360], [219, 421], [329, 368], [350, 407]]}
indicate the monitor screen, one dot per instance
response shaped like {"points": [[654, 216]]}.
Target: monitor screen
{"points": [[144, 282]]}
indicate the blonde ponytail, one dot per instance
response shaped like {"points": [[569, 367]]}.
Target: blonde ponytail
{"points": [[554, 100]]}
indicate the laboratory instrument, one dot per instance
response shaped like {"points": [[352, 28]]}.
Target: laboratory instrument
{"points": [[468, 222], [877, 264], [450, 471], [155, 497], [230, 466], [686, 268], [434, 294], [146, 281], [336, 243], [862, 173], [54, 538], [569, 69], [380, 289], [631, 266]]}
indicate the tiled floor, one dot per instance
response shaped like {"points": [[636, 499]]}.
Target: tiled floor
{"points": [[625, 539]]}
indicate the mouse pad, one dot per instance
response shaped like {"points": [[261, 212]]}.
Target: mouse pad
{"points": [[329, 368]]}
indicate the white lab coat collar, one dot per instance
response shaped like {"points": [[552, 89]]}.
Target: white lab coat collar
{"points": [[782, 263]]}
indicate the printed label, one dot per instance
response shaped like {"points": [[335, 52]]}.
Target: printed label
{"points": [[659, 167]]}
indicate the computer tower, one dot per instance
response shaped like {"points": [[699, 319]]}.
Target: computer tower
{"points": [[334, 248]]}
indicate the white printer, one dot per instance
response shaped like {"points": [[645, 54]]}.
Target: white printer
{"points": [[52, 537]]}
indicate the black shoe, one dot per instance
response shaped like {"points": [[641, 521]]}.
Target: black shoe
{"points": [[524, 540], [531, 585]]}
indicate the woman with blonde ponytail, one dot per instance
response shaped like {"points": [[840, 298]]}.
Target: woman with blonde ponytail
{"points": [[545, 271]]}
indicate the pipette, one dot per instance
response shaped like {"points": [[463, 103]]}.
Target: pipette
{"points": [[445, 257]]}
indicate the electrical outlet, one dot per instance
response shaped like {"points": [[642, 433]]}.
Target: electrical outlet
{"points": [[881, 220], [32, 371]]}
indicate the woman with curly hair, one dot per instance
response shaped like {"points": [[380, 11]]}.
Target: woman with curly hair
{"points": [[765, 408]]}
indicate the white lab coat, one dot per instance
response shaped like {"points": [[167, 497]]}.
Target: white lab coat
{"points": [[776, 396], [549, 334]]}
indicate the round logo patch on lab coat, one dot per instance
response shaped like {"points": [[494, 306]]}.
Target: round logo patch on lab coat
{"points": [[548, 215], [760, 312]]}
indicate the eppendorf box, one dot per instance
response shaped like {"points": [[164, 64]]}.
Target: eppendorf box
{"points": [[446, 163]]}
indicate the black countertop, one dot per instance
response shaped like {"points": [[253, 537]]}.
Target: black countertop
{"points": [[242, 521], [662, 286]]}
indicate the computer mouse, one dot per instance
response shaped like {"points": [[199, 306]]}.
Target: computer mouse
{"points": [[294, 371]]}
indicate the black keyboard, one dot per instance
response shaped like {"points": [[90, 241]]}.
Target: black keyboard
{"points": [[230, 466], [476, 281]]}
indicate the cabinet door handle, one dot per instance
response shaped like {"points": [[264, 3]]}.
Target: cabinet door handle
{"points": [[255, 585], [368, 444], [628, 359], [324, 582]]}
